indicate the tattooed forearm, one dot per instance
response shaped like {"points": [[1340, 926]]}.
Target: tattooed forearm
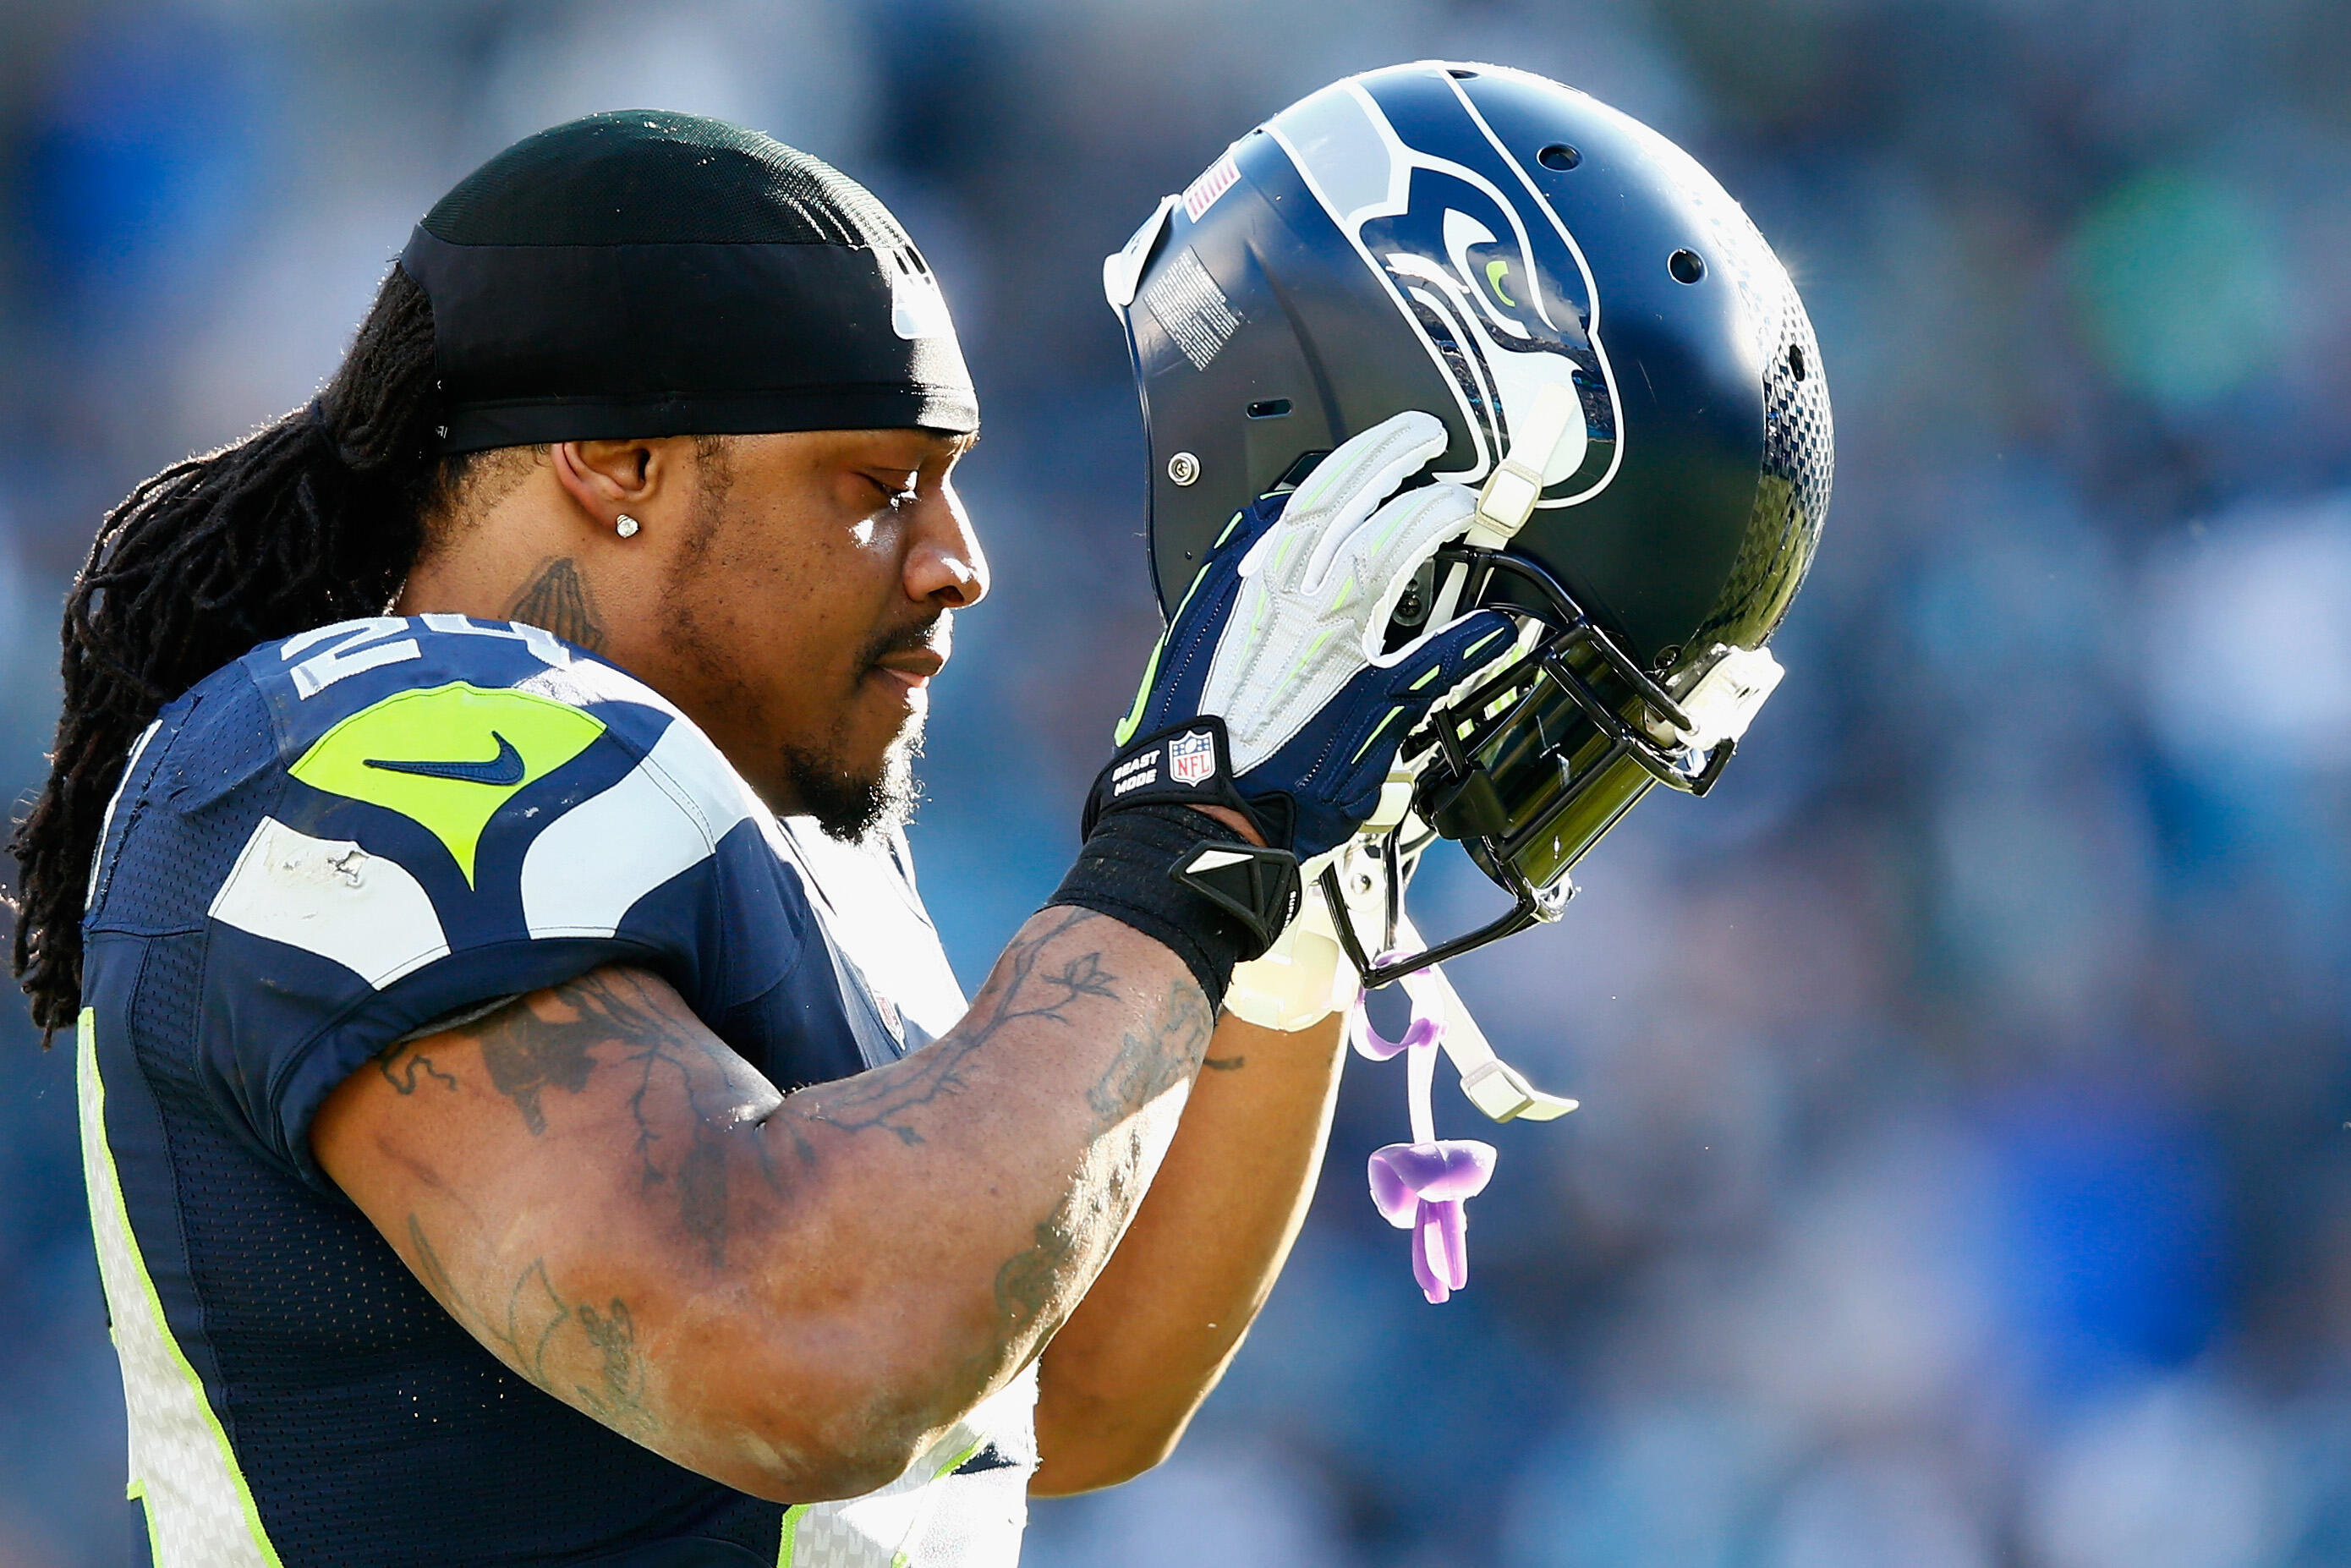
{"points": [[552, 1341], [1016, 993], [1163, 1051], [1037, 1286]]}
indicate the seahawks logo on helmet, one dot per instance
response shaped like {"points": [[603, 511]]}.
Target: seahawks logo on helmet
{"points": [[1479, 264]]}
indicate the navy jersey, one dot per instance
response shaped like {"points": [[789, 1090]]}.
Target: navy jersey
{"points": [[345, 838]]}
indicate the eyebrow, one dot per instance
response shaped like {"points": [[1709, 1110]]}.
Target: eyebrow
{"points": [[950, 445]]}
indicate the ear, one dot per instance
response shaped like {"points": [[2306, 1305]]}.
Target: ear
{"points": [[606, 478]]}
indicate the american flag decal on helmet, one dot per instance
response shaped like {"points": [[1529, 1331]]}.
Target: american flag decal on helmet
{"points": [[1218, 177]]}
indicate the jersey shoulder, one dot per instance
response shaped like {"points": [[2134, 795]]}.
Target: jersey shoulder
{"points": [[378, 824], [390, 677], [523, 785]]}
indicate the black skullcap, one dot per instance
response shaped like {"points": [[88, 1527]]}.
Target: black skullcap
{"points": [[645, 273]]}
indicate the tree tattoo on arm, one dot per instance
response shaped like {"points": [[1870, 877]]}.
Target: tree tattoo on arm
{"points": [[1016, 993], [530, 1051]]}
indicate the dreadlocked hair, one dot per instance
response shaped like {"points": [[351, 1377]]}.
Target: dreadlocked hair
{"points": [[311, 519]]}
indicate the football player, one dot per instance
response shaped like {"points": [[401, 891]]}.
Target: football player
{"points": [[526, 1115]]}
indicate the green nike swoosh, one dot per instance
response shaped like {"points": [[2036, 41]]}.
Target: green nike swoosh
{"points": [[503, 770]]}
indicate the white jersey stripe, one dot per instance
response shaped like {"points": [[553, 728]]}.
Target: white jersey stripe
{"points": [[588, 868], [200, 1511]]}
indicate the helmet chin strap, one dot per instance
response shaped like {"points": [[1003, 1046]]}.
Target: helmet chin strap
{"points": [[1423, 1184], [1516, 483]]}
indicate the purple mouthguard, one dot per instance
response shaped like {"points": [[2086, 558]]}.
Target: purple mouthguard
{"points": [[1436, 1213], [1424, 1185]]}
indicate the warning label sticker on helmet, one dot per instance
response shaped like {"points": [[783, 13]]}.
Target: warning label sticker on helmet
{"points": [[1195, 311], [1201, 194]]}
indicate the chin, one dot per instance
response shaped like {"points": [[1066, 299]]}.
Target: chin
{"points": [[855, 793]]}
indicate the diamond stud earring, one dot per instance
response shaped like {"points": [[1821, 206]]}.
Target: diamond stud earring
{"points": [[625, 526]]}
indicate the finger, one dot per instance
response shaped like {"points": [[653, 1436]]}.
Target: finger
{"points": [[1423, 672], [1348, 485], [1385, 553], [1428, 670], [1249, 532], [1390, 550]]}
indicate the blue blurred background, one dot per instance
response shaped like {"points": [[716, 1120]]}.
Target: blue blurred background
{"points": [[1964, 1174]]}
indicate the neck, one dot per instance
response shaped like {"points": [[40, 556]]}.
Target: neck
{"points": [[599, 595]]}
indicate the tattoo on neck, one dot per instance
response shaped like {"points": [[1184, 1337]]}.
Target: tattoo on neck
{"points": [[558, 600]]}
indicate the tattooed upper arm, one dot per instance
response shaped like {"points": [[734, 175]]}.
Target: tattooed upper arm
{"points": [[627, 1037], [589, 1172]]}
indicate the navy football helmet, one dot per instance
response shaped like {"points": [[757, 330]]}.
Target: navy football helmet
{"points": [[1537, 269]]}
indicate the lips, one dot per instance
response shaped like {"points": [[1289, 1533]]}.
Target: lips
{"points": [[914, 668], [908, 658]]}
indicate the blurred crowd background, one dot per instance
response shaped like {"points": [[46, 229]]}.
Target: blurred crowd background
{"points": [[1964, 1170]]}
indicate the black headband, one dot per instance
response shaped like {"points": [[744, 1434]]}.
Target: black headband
{"points": [[592, 283]]}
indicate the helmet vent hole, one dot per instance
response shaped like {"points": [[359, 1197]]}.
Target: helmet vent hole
{"points": [[1796, 361], [1686, 266], [1275, 407], [1459, 73], [1558, 155]]}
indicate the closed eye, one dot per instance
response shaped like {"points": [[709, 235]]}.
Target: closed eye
{"points": [[896, 494]]}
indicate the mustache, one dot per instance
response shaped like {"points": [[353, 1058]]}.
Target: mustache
{"points": [[934, 633]]}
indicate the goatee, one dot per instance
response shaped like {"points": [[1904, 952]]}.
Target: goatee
{"points": [[850, 805]]}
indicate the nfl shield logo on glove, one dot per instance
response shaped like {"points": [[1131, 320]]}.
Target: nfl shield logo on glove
{"points": [[1192, 757]]}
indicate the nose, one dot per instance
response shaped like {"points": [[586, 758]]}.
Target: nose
{"points": [[945, 563]]}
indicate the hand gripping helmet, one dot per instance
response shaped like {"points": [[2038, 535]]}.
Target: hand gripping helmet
{"points": [[1537, 270]]}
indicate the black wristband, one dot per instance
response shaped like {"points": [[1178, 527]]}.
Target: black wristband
{"points": [[1186, 764], [1125, 871]]}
